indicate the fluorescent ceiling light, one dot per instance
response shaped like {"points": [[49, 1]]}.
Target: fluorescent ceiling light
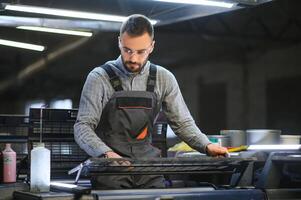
{"points": [[275, 147], [21, 45], [55, 30], [67, 13], [201, 2]]}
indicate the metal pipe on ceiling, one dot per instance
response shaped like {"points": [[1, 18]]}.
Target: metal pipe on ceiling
{"points": [[41, 64]]}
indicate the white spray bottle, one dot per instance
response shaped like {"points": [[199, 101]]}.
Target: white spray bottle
{"points": [[40, 165]]}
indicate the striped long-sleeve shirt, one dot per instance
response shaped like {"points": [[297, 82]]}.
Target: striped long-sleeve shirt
{"points": [[97, 91]]}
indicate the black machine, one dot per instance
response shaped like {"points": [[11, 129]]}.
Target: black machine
{"points": [[277, 177]]}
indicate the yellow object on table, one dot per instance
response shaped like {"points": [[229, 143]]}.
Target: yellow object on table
{"points": [[182, 146], [237, 149]]}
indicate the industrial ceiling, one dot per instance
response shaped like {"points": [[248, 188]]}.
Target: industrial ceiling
{"points": [[249, 22]]}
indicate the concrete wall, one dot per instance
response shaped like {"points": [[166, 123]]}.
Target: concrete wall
{"points": [[246, 81]]}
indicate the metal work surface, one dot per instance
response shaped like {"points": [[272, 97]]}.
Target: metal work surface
{"points": [[181, 193]]}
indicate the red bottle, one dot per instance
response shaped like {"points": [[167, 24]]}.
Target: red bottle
{"points": [[9, 164]]}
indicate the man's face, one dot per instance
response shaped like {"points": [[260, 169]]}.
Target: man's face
{"points": [[135, 50]]}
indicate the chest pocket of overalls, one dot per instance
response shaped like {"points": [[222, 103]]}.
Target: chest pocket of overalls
{"points": [[136, 115]]}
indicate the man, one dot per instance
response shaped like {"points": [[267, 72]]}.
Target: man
{"points": [[123, 97]]}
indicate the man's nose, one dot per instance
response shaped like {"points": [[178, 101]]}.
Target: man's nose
{"points": [[134, 57]]}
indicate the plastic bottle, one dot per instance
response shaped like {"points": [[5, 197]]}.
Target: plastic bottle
{"points": [[40, 169], [9, 164]]}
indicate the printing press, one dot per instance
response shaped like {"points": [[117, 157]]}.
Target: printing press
{"points": [[249, 174]]}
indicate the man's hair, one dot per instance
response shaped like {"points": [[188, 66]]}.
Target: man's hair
{"points": [[137, 25]]}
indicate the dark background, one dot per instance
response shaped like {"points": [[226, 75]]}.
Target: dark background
{"points": [[237, 69]]}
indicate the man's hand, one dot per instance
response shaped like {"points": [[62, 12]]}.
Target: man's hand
{"points": [[216, 150], [112, 154]]}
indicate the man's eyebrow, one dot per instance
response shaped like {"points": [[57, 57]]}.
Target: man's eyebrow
{"points": [[134, 50]]}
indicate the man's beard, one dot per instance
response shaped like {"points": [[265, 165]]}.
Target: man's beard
{"points": [[134, 69]]}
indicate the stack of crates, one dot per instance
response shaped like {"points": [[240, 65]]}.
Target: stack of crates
{"points": [[58, 137], [14, 130]]}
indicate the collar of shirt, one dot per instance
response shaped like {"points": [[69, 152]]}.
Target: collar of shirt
{"points": [[119, 64]]}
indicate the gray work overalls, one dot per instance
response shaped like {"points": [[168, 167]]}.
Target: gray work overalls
{"points": [[125, 126]]}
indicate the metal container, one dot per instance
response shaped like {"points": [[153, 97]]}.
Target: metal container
{"points": [[237, 137], [290, 139], [222, 140], [263, 136]]}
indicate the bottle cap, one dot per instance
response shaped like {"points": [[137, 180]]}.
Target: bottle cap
{"points": [[40, 144]]}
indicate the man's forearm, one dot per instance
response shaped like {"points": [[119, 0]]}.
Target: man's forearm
{"points": [[193, 137], [88, 140]]}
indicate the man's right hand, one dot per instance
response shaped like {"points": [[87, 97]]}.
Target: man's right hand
{"points": [[216, 150], [112, 154]]}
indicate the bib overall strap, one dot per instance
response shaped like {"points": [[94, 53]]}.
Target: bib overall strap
{"points": [[151, 82], [114, 79]]}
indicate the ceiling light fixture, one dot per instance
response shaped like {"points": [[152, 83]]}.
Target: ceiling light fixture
{"points": [[67, 13], [201, 2], [55, 30], [21, 45]]}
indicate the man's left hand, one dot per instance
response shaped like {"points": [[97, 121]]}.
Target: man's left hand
{"points": [[216, 150]]}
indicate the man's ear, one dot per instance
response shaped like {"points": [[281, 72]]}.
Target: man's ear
{"points": [[153, 46], [119, 41]]}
